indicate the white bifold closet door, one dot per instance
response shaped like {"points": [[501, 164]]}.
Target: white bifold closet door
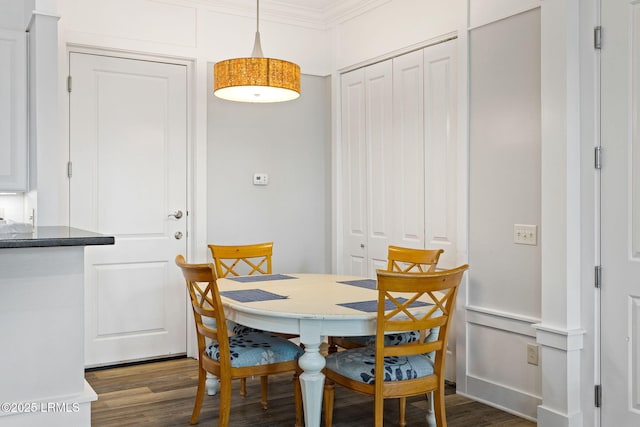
{"points": [[399, 158]]}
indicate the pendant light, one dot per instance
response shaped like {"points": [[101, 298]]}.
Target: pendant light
{"points": [[256, 79]]}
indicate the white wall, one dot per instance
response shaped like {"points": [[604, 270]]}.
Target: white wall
{"points": [[13, 15], [12, 18], [13, 207], [504, 186], [391, 26], [207, 31], [290, 142]]}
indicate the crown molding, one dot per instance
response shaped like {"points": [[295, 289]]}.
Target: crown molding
{"points": [[340, 11], [326, 14]]}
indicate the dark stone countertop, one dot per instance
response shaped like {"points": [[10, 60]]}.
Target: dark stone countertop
{"points": [[45, 237]]}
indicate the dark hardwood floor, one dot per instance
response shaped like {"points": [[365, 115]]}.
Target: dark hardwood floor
{"points": [[161, 394]]}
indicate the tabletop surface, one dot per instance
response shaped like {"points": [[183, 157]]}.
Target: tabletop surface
{"points": [[322, 296]]}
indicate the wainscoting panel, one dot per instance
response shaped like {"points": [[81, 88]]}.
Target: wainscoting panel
{"points": [[499, 372]]}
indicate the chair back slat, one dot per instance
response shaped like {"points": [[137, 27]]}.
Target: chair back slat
{"points": [[406, 260], [413, 349], [242, 260]]}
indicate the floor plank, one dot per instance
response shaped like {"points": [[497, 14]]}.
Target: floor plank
{"points": [[161, 394]]}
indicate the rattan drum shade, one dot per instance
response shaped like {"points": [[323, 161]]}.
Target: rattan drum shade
{"points": [[256, 79]]}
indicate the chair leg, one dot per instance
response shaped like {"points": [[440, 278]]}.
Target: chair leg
{"points": [[264, 387], [202, 378], [378, 410], [243, 387], [441, 416], [431, 417], [403, 412], [329, 392], [297, 396], [224, 412]]}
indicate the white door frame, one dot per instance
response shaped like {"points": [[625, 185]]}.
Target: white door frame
{"points": [[196, 161]]}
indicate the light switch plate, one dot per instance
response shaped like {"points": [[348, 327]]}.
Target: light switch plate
{"points": [[524, 234]]}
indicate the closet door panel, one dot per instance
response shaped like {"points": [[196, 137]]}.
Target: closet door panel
{"points": [[440, 150], [379, 145], [408, 179], [354, 172]]}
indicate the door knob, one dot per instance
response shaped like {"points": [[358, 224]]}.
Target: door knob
{"points": [[178, 235], [176, 214], [362, 245]]}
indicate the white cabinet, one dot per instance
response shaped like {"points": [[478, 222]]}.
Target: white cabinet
{"points": [[13, 111], [399, 160]]}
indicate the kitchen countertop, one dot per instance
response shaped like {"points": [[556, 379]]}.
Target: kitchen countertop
{"points": [[54, 236]]}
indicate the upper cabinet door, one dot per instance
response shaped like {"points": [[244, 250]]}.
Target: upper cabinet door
{"points": [[13, 111]]}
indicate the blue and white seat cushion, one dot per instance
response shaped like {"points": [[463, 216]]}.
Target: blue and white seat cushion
{"points": [[257, 348], [389, 339], [233, 327], [395, 339], [359, 364], [238, 329]]}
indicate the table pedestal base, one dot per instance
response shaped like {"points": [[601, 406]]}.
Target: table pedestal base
{"points": [[312, 383]]}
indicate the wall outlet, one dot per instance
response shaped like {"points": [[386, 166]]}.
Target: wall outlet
{"points": [[532, 354], [525, 234]]}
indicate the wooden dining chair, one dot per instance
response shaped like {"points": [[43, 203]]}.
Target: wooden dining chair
{"points": [[242, 260], [400, 370], [403, 260], [240, 356]]}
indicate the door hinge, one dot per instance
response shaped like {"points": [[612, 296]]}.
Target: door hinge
{"points": [[69, 169], [598, 157], [598, 276], [597, 37], [69, 84], [598, 395]]}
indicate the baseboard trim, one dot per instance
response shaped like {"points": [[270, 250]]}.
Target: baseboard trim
{"points": [[507, 399]]}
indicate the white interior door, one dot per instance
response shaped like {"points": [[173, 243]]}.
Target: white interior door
{"points": [[620, 175], [128, 142]]}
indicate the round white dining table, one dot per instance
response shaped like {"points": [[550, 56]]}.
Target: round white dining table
{"points": [[311, 305]]}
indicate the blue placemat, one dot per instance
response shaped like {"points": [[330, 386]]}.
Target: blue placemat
{"points": [[251, 295], [362, 283], [372, 306], [260, 278]]}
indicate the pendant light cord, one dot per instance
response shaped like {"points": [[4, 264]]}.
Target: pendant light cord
{"points": [[257, 47]]}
